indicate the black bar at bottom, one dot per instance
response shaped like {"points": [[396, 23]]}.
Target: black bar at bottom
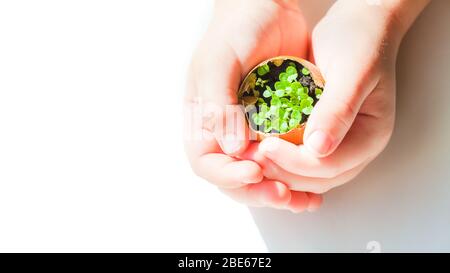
{"points": [[211, 262]]}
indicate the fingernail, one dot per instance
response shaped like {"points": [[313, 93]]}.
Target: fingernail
{"points": [[231, 144], [319, 142]]}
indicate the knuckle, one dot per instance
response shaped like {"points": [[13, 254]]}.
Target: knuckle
{"points": [[345, 112]]}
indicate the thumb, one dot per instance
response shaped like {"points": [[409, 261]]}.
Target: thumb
{"points": [[217, 87], [347, 86]]}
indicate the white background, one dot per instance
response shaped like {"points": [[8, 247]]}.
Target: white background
{"points": [[87, 164]]}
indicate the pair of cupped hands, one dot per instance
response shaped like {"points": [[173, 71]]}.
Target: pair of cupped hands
{"points": [[355, 48]]}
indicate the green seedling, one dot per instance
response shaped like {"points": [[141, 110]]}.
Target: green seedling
{"points": [[285, 105], [263, 70], [305, 71]]}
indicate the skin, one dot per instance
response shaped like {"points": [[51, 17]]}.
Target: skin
{"points": [[355, 46]]}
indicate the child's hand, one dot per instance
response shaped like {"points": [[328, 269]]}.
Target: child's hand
{"points": [[355, 47], [241, 34]]}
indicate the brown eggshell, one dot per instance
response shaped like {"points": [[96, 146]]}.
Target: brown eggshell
{"points": [[295, 135]]}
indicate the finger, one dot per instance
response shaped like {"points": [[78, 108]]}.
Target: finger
{"points": [[274, 194], [227, 172], [224, 171], [208, 161], [315, 201], [298, 182], [216, 72], [217, 80], [361, 144], [310, 184], [264, 194], [348, 82], [299, 202]]}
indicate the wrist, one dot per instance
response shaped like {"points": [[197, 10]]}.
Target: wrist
{"points": [[395, 14], [404, 12], [390, 19]]}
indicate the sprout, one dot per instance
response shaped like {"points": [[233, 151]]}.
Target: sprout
{"points": [[280, 85], [305, 71], [293, 123], [318, 92], [305, 103], [263, 70], [303, 94], [275, 101], [307, 110], [257, 119], [264, 108], [292, 74], [267, 94], [261, 82], [291, 70], [284, 127], [283, 77], [285, 102], [279, 93], [267, 126], [292, 77]]}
